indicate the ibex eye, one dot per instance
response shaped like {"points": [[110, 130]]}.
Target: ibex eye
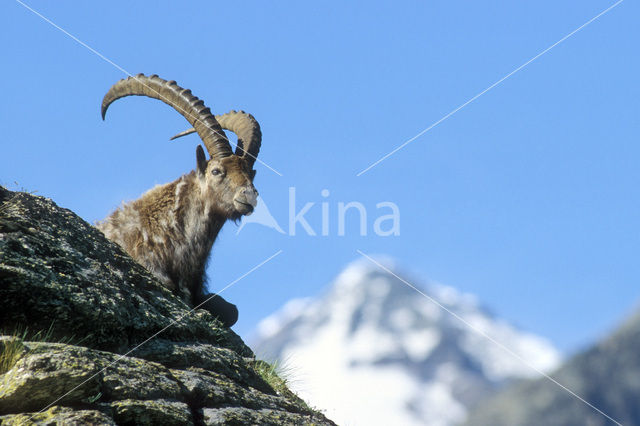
{"points": [[216, 172]]}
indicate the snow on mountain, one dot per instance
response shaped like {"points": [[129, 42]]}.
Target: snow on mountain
{"points": [[375, 351]]}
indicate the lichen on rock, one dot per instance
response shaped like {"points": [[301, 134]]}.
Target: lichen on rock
{"points": [[99, 308]]}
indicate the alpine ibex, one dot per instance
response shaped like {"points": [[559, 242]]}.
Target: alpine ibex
{"points": [[171, 228]]}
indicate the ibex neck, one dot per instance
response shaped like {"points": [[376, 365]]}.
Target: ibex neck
{"points": [[195, 210]]}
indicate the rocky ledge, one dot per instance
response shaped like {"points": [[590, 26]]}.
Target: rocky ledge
{"points": [[89, 336]]}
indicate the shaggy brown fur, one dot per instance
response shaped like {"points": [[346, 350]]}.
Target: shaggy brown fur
{"points": [[171, 228]]}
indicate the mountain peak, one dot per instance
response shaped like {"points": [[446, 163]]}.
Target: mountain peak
{"points": [[393, 278], [371, 330]]}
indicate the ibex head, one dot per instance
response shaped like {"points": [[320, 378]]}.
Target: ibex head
{"points": [[226, 177]]}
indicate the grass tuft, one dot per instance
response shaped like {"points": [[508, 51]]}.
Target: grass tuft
{"points": [[45, 336], [280, 375], [269, 373], [11, 350]]}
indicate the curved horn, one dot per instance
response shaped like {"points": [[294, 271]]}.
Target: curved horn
{"points": [[191, 108], [248, 131], [245, 126]]}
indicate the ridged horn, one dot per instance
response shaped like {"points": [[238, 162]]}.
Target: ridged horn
{"points": [[189, 106], [245, 126]]}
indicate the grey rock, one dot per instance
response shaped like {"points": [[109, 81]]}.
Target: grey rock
{"points": [[44, 370], [56, 269], [212, 389], [59, 416], [243, 416], [153, 412], [182, 355]]}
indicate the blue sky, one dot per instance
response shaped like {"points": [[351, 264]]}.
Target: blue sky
{"points": [[527, 197]]}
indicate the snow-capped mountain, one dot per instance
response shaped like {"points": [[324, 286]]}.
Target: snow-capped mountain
{"points": [[375, 351]]}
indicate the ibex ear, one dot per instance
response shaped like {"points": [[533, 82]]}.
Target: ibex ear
{"points": [[201, 160]]}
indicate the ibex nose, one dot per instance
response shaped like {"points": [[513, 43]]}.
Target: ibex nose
{"points": [[251, 195]]}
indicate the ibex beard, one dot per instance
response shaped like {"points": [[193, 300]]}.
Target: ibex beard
{"points": [[171, 228]]}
